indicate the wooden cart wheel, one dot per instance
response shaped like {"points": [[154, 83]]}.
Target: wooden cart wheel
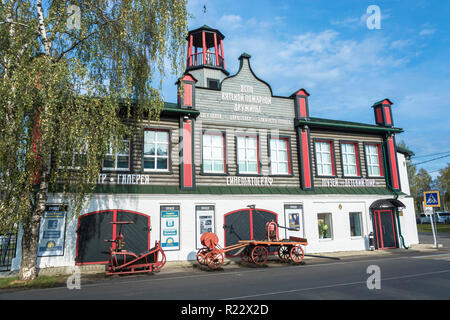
{"points": [[201, 256], [297, 254], [245, 255], [284, 253], [260, 254], [214, 259]]}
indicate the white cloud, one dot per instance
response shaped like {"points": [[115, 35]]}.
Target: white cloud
{"points": [[427, 31], [230, 22], [400, 44]]}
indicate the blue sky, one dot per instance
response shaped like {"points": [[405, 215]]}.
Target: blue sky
{"points": [[327, 48]]}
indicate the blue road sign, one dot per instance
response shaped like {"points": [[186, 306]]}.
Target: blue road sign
{"points": [[432, 198]]}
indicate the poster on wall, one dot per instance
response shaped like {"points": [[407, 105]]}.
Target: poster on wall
{"points": [[205, 221], [52, 231], [293, 214], [170, 227]]}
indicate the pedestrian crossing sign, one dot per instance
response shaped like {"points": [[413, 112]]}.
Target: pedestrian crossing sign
{"points": [[432, 198]]}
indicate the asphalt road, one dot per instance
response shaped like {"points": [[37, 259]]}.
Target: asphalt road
{"points": [[403, 275]]}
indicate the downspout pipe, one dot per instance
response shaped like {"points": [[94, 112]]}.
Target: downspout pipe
{"points": [[395, 195]]}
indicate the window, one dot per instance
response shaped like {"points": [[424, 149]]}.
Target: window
{"points": [[156, 150], [213, 83], [213, 152], [280, 162], [76, 160], [373, 160], [247, 154], [350, 159], [79, 158], [324, 158], [325, 226], [118, 161], [355, 224]]}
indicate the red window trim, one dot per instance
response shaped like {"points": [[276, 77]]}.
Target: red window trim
{"points": [[258, 160], [217, 133], [333, 161], [288, 150], [357, 158], [169, 148], [380, 159]]}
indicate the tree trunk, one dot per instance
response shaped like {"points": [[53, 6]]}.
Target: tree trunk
{"points": [[30, 238]]}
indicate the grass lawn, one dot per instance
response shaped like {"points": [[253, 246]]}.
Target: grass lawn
{"points": [[426, 227], [39, 282]]}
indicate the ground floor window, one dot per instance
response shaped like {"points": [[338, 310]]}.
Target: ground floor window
{"points": [[355, 224], [325, 225]]}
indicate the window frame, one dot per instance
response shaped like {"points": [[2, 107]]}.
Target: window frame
{"points": [[330, 228], [169, 152], [258, 155], [208, 82], [288, 152], [225, 158], [115, 169], [332, 157], [357, 158], [74, 153], [380, 160], [359, 213]]}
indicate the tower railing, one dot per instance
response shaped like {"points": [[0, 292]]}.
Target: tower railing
{"points": [[196, 59]]}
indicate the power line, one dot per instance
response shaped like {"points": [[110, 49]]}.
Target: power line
{"points": [[448, 155], [431, 154]]}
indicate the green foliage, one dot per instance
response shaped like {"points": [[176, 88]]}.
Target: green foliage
{"points": [[323, 229], [64, 89], [444, 186]]}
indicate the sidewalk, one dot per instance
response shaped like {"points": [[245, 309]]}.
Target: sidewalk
{"points": [[189, 266]]}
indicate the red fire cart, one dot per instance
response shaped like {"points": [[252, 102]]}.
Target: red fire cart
{"points": [[251, 251]]}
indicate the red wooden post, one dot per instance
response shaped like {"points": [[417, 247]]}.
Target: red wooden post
{"points": [[204, 47], [215, 49], [191, 41], [223, 57]]}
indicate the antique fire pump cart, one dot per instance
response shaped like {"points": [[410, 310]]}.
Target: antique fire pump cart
{"points": [[124, 262], [252, 251]]}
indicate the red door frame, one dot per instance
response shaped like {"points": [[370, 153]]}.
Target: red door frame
{"points": [[378, 230], [114, 230]]}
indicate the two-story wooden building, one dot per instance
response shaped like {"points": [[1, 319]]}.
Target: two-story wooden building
{"points": [[230, 156]]}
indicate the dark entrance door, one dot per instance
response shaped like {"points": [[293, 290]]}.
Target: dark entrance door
{"points": [[246, 224], [95, 227], [384, 229]]}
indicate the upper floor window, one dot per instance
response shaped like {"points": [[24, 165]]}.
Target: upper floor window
{"points": [[324, 158], [75, 160], [213, 152], [373, 160], [156, 150], [280, 161], [350, 159], [118, 161], [248, 154], [213, 83]]}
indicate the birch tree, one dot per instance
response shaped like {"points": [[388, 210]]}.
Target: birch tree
{"points": [[72, 73]]}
